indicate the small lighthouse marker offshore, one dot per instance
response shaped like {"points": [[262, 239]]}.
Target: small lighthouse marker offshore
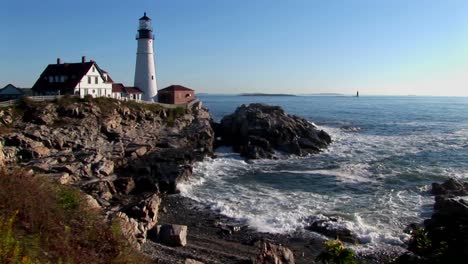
{"points": [[145, 72]]}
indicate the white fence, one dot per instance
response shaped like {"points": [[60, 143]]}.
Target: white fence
{"points": [[8, 103]]}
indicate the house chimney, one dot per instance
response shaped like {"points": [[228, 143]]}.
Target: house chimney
{"points": [[59, 61], [83, 59]]}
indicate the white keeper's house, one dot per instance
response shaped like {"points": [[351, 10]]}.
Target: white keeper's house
{"points": [[81, 79]]}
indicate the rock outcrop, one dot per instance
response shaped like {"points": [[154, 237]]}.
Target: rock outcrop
{"points": [[331, 228], [451, 187], [258, 130], [121, 154], [443, 238]]}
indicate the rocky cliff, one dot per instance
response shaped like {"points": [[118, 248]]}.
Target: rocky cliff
{"points": [[122, 154]]}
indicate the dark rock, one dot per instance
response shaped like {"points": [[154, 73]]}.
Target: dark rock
{"points": [[258, 130], [172, 235], [330, 228], [450, 187], [124, 185]]}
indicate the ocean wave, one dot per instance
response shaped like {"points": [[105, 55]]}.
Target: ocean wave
{"points": [[377, 184]]}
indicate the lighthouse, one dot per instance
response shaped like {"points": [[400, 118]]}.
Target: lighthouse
{"points": [[145, 71]]}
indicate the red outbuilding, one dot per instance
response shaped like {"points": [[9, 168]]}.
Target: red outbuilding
{"points": [[176, 94]]}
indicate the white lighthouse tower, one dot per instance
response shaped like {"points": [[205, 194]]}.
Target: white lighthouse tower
{"points": [[145, 72]]}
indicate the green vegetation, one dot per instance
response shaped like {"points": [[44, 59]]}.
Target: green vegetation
{"points": [[173, 114], [66, 100], [451, 249], [336, 253], [143, 106], [44, 222]]}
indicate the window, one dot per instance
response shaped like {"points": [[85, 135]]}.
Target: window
{"points": [[94, 91], [56, 78], [96, 80], [93, 69], [152, 77], [89, 79], [62, 78], [51, 79]]}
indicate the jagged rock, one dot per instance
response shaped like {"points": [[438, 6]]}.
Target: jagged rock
{"points": [[450, 187], [146, 211], [104, 167], [172, 235], [274, 254], [90, 146], [258, 130], [92, 203], [124, 185], [66, 168], [130, 229], [330, 228]]}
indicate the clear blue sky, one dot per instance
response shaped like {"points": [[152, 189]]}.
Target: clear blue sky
{"points": [[390, 47]]}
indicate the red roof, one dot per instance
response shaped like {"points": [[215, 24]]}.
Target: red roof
{"points": [[133, 90], [176, 88], [118, 88], [73, 73]]}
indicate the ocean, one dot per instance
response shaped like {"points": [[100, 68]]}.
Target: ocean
{"points": [[374, 177]]}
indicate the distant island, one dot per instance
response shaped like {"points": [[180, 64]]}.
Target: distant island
{"points": [[264, 94]]}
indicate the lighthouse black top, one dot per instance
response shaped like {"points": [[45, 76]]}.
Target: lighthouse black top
{"points": [[145, 29]]}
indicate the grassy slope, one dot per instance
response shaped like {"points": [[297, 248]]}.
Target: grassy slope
{"points": [[43, 222]]}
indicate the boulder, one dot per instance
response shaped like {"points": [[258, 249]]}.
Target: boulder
{"points": [[274, 254], [258, 130], [331, 227], [450, 187], [172, 235], [145, 211]]}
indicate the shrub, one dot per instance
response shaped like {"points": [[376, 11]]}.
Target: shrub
{"points": [[419, 242], [66, 100], [336, 253], [88, 98], [11, 251], [53, 224]]}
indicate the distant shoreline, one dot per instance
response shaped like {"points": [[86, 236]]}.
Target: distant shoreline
{"points": [[264, 94]]}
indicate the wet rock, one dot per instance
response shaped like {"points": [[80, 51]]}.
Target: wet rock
{"points": [[274, 254], [258, 130], [172, 235], [450, 187], [330, 227]]}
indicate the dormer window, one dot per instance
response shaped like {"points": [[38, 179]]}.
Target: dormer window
{"points": [[51, 79], [93, 69]]}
